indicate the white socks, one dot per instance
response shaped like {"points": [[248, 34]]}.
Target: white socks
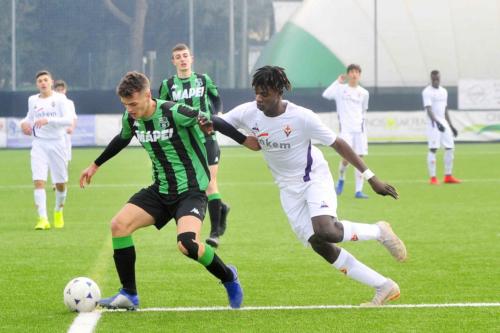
{"points": [[359, 180], [431, 164], [358, 271], [41, 202], [448, 161], [60, 199], [360, 231]]}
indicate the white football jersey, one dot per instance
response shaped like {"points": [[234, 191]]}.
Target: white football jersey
{"points": [[352, 104], [55, 109], [286, 139], [437, 99]]}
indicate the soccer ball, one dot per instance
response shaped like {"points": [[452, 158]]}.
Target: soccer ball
{"points": [[81, 294]]}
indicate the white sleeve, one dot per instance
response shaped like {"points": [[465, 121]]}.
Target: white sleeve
{"points": [[330, 93], [65, 118], [446, 97], [318, 130], [365, 100], [71, 109], [236, 116], [426, 96], [29, 115]]}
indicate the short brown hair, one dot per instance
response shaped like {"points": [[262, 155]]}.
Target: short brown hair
{"points": [[353, 67], [181, 47], [131, 83], [42, 72], [60, 83]]}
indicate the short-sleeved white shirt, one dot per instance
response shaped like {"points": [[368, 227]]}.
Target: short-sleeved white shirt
{"points": [[437, 99], [352, 104], [55, 109], [285, 139], [71, 109]]}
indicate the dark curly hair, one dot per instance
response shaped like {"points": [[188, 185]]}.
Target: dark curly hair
{"points": [[272, 77]]}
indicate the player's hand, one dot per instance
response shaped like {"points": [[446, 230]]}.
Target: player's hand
{"points": [[41, 122], [252, 143], [86, 175], [382, 188], [206, 125], [26, 128], [440, 126], [341, 78], [69, 130], [454, 131]]}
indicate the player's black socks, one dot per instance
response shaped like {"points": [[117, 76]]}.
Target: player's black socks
{"points": [[214, 210], [124, 255], [220, 270], [125, 266]]}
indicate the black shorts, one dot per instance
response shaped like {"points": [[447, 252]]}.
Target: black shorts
{"points": [[213, 151], [163, 207]]}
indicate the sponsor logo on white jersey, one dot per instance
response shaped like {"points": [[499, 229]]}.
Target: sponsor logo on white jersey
{"points": [[265, 143]]}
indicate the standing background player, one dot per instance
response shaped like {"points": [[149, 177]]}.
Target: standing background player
{"points": [[352, 103], [199, 91], [440, 131], [46, 121], [61, 87]]}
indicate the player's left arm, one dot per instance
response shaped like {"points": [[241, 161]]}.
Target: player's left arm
{"points": [[213, 95], [344, 150], [448, 119], [71, 107], [64, 120]]}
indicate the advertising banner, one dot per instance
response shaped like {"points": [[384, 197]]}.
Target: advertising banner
{"points": [[15, 137], [479, 94], [84, 134], [3, 133]]}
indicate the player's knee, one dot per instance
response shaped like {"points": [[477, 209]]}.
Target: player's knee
{"points": [[60, 187], [331, 231], [119, 227], [187, 244]]}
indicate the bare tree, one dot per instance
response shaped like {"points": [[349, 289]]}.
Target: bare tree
{"points": [[136, 26]]}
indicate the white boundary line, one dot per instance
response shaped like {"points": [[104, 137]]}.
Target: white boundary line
{"points": [[310, 307], [86, 322], [261, 183]]}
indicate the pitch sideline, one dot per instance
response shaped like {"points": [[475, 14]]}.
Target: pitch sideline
{"points": [[86, 322]]}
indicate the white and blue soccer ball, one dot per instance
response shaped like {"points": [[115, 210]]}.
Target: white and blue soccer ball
{"points": [[81, 294]]}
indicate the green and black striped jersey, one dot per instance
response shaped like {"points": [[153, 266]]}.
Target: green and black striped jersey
{"points": [[198, 91], [175, 145]]}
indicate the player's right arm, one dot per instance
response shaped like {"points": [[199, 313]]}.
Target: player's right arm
{"points": [[227, 125], [163, 91], [428, 108], [27, 122], [114, 147], [330, 93]]}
